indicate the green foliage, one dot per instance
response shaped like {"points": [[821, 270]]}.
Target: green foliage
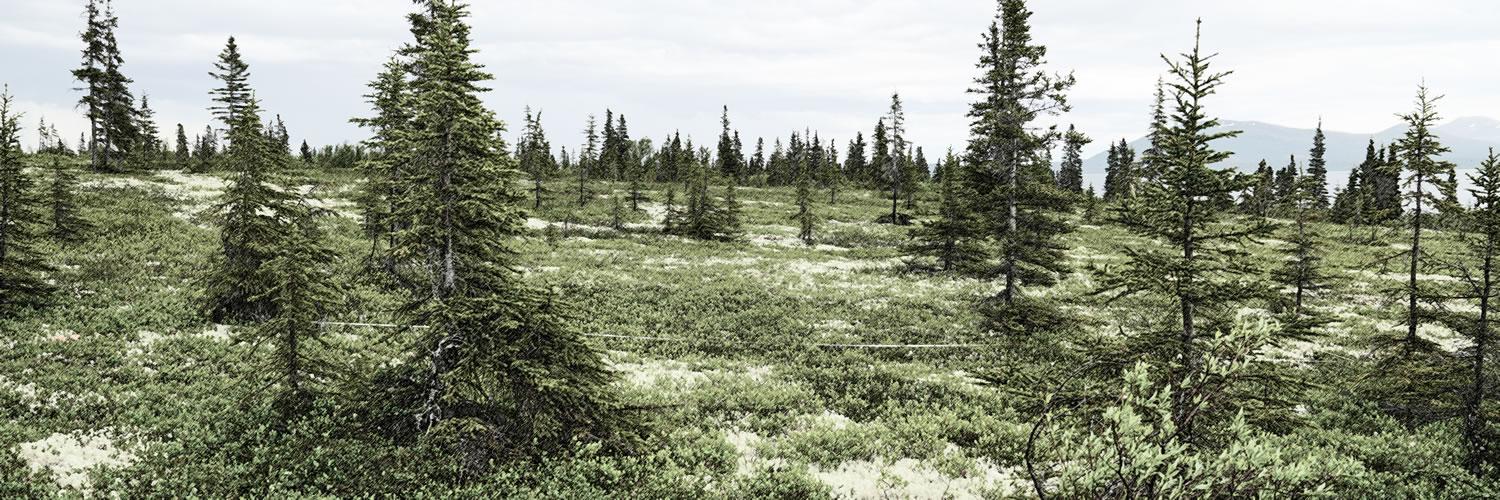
{"points": [[807, 221], [1070, 175], [22, 267], [703, 217], [66, 224], [1017, 203], [107, 101], [302, 292], [233, 97], [1201, 265], [390, 98], [252, 218], [952, 242], [495, 370]]}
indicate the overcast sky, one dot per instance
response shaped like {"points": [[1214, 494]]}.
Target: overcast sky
{"points": [[779, 65]]}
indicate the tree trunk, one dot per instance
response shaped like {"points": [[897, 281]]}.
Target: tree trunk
{"points": [[1010, 225], [1416, 250], [1188, 302]]}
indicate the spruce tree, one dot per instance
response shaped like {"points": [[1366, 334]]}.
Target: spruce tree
{"points": [[249, 216], [1302, 272], [107, 102], [1420, 151], [1261, 196], [66, 225], [233, 94], [1204, 272], [807, 221], [1383, 175], [758, 161], [896, 170], [1151, 157], [23, 269], [148, 146], [953, 239], [831, 174], [1286, 187], [497, 370], [1341, 211], [207, 150], [589, 160], [617, 213], [1317, 170], [731, 225], [620, 157], [730, 158], [390, 143], [1070, 173], [1119, 174], [855, 164], [535, 154], [1483, 242], [301, 292], [183, 152], [1007, 167], [880, 153]]}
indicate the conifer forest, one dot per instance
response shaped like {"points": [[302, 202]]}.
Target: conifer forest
{"points": [[462, 301]]}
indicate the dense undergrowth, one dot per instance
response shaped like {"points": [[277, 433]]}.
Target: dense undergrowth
{"points": [[739, 366]]}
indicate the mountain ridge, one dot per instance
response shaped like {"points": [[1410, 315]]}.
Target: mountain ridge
{"points": [[1468, 137]]}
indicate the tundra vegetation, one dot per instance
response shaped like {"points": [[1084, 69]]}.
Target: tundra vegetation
{"points": [[453, 308]]}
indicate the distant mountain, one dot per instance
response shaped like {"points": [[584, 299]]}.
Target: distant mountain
{"points": [[1470, 139]]}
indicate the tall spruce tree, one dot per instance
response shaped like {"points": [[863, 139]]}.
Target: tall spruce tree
{"points": [[1302, 272], [389, 142], [535, 155], [757, 166], [147, 148], [23, 269], [897, 170], [807, 221], [497, 370], [1317, 170], [1483, 243], [856, 165], [107, 102], [620, 157], [1009, 170], [589, 159], [1070, 173], [301, 292], [207, 150], [1203, 271], [730, 158], [1119, 173], [1420, 151], [250, 220], [1286, 187], [1151, 157], [880, 153]]}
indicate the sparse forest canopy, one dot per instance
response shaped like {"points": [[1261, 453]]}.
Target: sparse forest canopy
{"points": [[456, 306]]}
